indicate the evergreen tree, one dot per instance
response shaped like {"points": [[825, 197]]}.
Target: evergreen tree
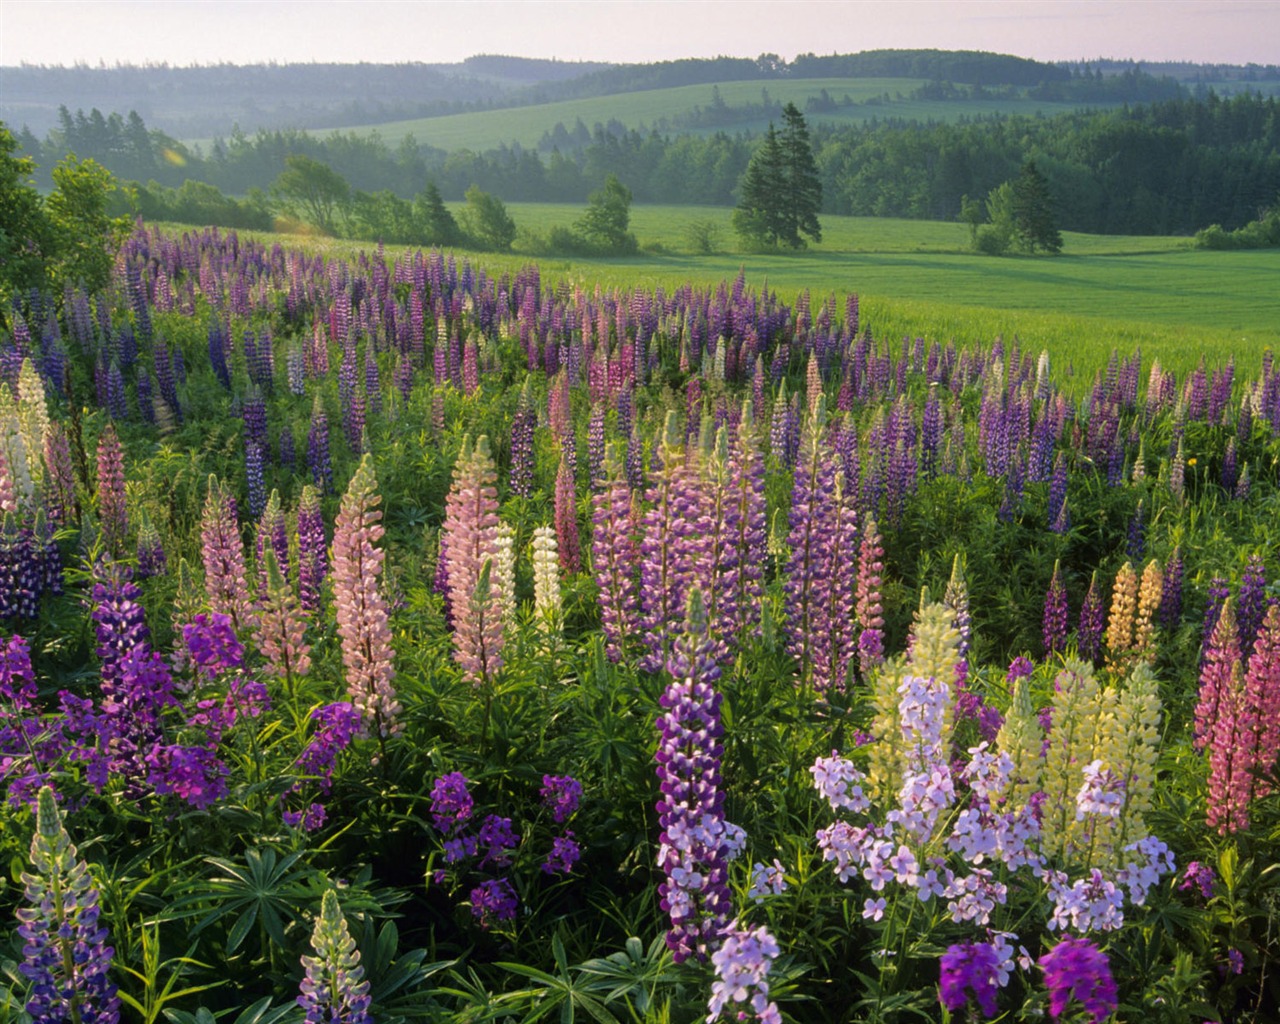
{"points": [[1034, 222], [803, 192], [780, 193], [435, 223]]}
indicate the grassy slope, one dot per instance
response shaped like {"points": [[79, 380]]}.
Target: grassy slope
{"points": [[525, 125], [917, 278]]}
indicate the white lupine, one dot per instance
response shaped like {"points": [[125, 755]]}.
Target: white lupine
{"points": [[546, 573]]}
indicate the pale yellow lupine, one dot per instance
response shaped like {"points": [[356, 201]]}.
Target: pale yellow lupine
{"points": [[1150, 591], [1124, 607], [1071, 746], [1023, 740]]}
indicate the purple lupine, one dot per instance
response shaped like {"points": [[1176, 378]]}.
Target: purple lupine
{"points": [[165, 379], [318, 460], [313, 561], [218, 354], [254, 414], [659, 557], [117, 404], [360, 607], [811, 518], [614, 559], [1252, 605], [212, 645], [120, 623], [595, 445], [65, 955], [288, 450], [1058, 515], [522, 459], [1055, 614], [113, 514], [1076, 970], [372, 382], [696, 841], [748, 525], [1136, 544], [255, 483], [333, 988], [1092, 623]]}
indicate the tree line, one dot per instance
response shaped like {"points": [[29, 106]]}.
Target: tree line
{"points": [[1164, 168]]}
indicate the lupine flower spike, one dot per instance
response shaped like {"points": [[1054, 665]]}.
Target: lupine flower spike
{"points": [[66, 958], [333, 989]]}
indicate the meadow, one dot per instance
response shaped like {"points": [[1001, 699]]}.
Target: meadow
{"points": [[400, 635]]}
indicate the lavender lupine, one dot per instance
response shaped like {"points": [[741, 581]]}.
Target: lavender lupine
{"points": [[696, 841], [318, 460], [113, 514], [313, 560], [614, 559], [522, 427], [748, 525], [360, 607], [660, 559], [470, 541], [222, 552], [1171, 597], [1253, 603], [812, 514], [1092, 623], [65, 955], [333, 988]]}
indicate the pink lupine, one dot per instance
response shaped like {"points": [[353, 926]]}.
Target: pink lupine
{"points": [[113, 515], [1219, 675], [222, 552], [567, 540], [360, 607], [470, 540], [1262, 692], [869, 611], [281, 625]]}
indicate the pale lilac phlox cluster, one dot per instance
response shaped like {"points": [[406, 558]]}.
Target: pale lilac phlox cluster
{"points": [[742, 965], [837, 779], [1091, 904], [1102, 792], [767, 880]]}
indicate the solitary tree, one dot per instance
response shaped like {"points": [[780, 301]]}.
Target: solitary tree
{"points": [[435, 223], [604, 224], [312, 191], [780, 193]]}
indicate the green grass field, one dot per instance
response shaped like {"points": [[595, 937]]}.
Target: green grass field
{"points": [[918, 278], [487, 129]]}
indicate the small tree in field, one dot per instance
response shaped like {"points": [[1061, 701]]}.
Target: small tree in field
{"points": [[487, 221], [1034, 222], [312, 191], [604, 226]]}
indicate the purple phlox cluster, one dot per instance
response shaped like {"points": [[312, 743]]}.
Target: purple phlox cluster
{"points": [[767, 880], [561, 794], [742, 965], [193, 774], [333, 988], [493, 901], [451, 802], [497, 839], [1234, 963], [563, 856], [1198, 877], [308, 820], [972, 706], [65, 955], [336, 726], [1075, 969], [212, 645], [245, 698], [969, 969], [17, 680]]}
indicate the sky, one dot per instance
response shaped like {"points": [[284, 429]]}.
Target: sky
{"points": [[183, 32]]}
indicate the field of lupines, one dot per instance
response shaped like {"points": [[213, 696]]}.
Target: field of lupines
{"points": [[386, 641]]}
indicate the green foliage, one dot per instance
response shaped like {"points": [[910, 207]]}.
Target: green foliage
{"points": [[603, 227], [1260, 233]]}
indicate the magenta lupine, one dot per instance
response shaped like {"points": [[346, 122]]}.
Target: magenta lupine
{"points": [[113, 515], [470, 540], [696, 841], [65, 955], [566, 514], [360, 607], [1076, 970], [333, 988], [1219, 675], [869, 611], [1055, 614], [614, 558], [313, 559], [222, 552]]}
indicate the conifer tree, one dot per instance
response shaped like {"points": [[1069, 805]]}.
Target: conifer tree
{"points": [[780, 192]]}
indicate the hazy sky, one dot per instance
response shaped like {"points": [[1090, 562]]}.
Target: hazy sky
{"points": [[250, 31]]}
